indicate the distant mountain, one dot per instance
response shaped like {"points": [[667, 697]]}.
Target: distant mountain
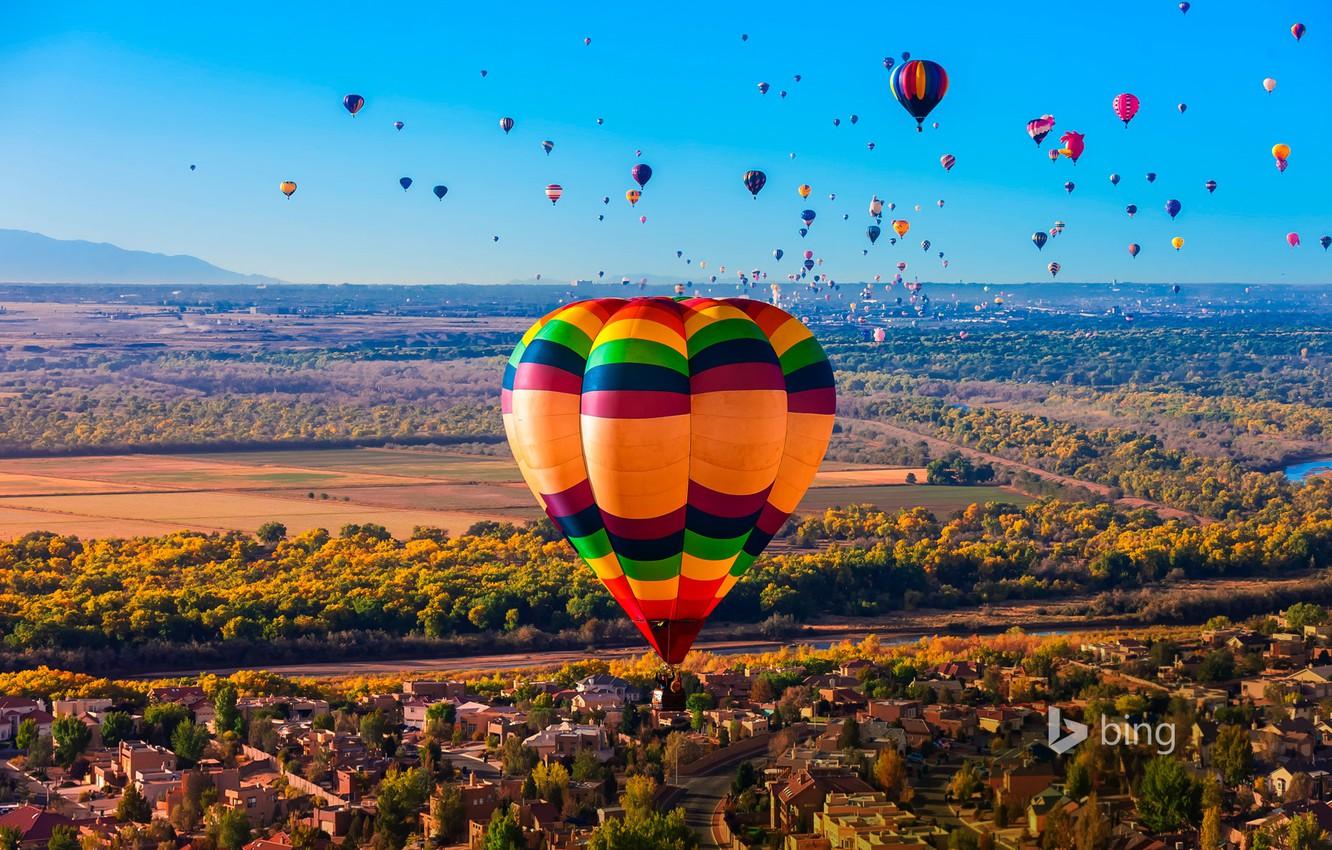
{"points": [[27, 257]]}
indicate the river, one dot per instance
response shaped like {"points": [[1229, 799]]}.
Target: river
{"points": [[1298, 472]]}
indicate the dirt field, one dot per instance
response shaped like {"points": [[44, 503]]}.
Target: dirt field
{"points": [[126, 495]]}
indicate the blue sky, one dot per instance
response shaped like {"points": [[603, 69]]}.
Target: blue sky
{"points": [[107, 105]]}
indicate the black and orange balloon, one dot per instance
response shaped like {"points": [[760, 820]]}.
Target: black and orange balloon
{"points": [[669, 440]]}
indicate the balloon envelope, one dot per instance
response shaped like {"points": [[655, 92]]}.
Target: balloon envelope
{"points": [[755, 181], [669, 441], [441, 191], [1039, 128], [1125, 106], [642, 173], [919, 85], [353, 103], [405, 183]]}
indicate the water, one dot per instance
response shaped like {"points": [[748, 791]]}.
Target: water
{"points": [[1297, 472]]}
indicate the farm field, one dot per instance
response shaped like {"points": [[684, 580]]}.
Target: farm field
{"points": [[127, 495]]}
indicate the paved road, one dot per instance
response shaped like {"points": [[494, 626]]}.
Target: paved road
{"points": [[703, 794]]}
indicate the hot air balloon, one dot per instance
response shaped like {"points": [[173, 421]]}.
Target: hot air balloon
{"points": [[494, 239], [755, 181], [876, 207], [1114, 179], [587, 41], [869, 145], [484, 72], [1297, 30], [1134, 248], [506, 124], [1325, 241], [1054, 154], [763, 88], [804, 190], [553, 192], [854, 118], [1073, 145], [1039, 128], [1054, 270], [873, 232], [1125, 106], [888, 63], [1177, 242], [777, 254], [925, 245], [948, 161], [632, 196], [642, 173], [353, 103], [1069, 186], [939, 203], [192, 167], [1184, 7], [782, 94], [804, 231], [1269, 84], [1172, 207], [548, 146], [1281, 152], [398, 125], [919, 85], [901, 226], [1183, 107], [837, 122], [1039, 239], [405, 183], [1210, 186], [901, 267], [807, 217], [744, 36], [642, 219], [1293, 239], [441, 191], [1131, 209], [1151, 176], [880, 335], [601, 121], [288, 187]]}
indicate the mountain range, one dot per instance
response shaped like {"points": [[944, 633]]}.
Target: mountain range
{"points": [[27, 257]]}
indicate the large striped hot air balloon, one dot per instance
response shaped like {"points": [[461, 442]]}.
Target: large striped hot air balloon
{"points": [[919, 85], [669, 440], [554, 191]]}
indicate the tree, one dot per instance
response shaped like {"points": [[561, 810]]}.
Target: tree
{"points": [[1232, 754], [1303, 614], [226, 717], [189, 741], [1304, 833], [447, 814], [1167, 796], [697, 703], [552, 782], [116, 727], [1209, 836], [1091, 831], [890, 775], [63, 838], [401, 796], [133, 808], [26, 735], [1077, 780], [638, 798], [229, 828], [503, 832], [9, 838], [70, 736], [271, 533], [745, 777], [586, 767], [516, 758], [965, 782], [848, 738], [161, 719], [655, 832], [373, 727], [680, 749]]}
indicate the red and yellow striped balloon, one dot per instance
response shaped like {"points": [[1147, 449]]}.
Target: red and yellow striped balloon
{"points": [[669, 440]]}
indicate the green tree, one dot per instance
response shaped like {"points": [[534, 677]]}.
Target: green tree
{"points": [[161, 719], [657, 831], [63, 838], [1077, 780], [849, 736], [447, 814], [517, 759], [373, 727], [890, 775], [189, 741], [116, 727], [586, 767], [745, 778], [1209, 836], [1232, 754], [401, 796], [1304, 833], [133, 808], [271, 533], [1303, 614], [1168, 796], [639, 796], [9, 838], [26, 735], [71, 736], [227, 718], [503, 832], [228, 828]]}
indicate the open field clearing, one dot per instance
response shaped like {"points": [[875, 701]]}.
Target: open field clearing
{"points": [[125, 495]]}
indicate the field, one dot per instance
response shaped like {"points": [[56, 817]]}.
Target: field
{"points": [[139, 494]]}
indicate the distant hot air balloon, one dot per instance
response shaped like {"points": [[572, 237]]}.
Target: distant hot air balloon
{"points": [[880, 335], [755, 181], [642, 173], [587, 41], [441, 191], [1114, 179], [1293, 239], [925, 245], [948, 161], [855, 118], [1073, 145], [192, 167], [1069, 186], [901, 226], [632, 196], [1039, 128], [1125, 106], [939, 203], [398, 125], [803, 190], [405, 183], [1184, 7], [1131, 209], [1151, 176], [548, 146], [506, 124], [919, 86], [1054, 269], [1177, 242], [1172, 207], [642, 219], [1039, 238], [1183, 107], [288, 187], [484, 72], [869, 145], [553, 192], [1134, 248], [1281, 152], [1269, 84], [1297, 30], [837, 122], [807, 217], [873, 232], [353, 103], [1054, 154], [1210, 186], [777, 254], [1325, 242], [876, 207], [744, 36], [763, 88]]}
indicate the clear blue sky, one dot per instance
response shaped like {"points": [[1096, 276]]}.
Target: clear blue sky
{"points": [[107, 105]]}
